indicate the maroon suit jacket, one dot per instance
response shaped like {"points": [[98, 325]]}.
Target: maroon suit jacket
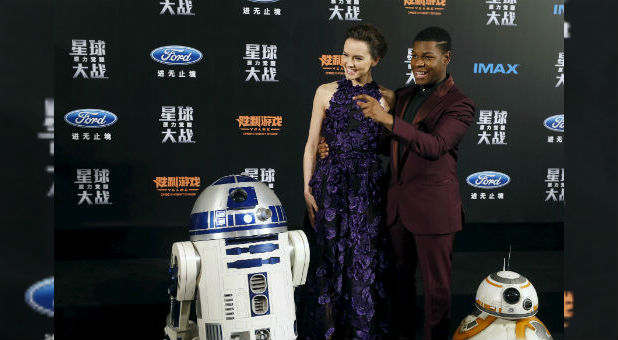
{"points": [[424, 189]]}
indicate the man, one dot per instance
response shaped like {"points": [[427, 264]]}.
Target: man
{"points": [[424, 208]]}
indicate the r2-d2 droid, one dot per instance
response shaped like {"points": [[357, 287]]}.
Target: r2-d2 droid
{"points": [[240, 267], [506, 305]]}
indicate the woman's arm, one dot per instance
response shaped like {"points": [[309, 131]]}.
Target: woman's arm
{"points": [[320, 104]]}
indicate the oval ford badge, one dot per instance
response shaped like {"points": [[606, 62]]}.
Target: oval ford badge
{"points": [[555, 123], [176, 55], [488, 180], [40, 297], [90, 118]]}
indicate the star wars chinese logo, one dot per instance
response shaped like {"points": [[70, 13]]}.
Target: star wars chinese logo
{"points": [[48, 134], [177, 186], [424, 7], [261, 63], [568, 307], [331, 64], [347, 10], [260, 125], [88, 59], [492, 124], [93, 183], [408, 61], [182, 7], [264, 175], [177, 124], [501, 12], [555, 185], [560, 68]]}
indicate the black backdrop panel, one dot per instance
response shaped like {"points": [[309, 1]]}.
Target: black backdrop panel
{"points": [[26, 242]]}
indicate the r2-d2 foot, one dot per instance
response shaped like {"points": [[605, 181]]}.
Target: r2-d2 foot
{"points": [[240, 267]]}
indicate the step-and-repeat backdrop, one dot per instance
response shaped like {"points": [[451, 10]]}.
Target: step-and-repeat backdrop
{"points": [[155, 100]]}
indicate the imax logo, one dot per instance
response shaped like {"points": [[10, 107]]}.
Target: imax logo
{"points": [[495, 68]]}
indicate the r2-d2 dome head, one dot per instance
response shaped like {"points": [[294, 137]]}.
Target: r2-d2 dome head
{"points": [[236, 206], [507, 295]]}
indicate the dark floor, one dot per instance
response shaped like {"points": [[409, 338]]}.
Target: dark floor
{"points": [[120, 281]]}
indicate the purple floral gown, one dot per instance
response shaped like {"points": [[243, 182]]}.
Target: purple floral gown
{"points": [[346, 288]]}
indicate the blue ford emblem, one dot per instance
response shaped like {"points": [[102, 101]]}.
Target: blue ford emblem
{"points": [[488, 180], [555, 123], [40, 297], [90, 118], [176, 55]]}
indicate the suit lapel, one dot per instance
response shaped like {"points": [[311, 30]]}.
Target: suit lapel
{"points": [[395, 143], [434, 99], [424, 111]]}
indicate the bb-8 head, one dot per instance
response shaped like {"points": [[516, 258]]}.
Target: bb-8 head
{"points": [[507, 295]]}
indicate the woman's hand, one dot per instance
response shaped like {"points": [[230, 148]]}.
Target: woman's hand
{"points": [[312, 206], [322, 148]]}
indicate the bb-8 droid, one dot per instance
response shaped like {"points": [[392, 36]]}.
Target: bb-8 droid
{"points": [[506, 307]]}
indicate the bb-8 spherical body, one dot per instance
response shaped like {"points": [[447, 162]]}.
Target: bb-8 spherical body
{"points": [[506, 307]]}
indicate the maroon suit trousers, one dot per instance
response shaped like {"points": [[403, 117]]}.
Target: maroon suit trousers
{"points": [[433, 253]]}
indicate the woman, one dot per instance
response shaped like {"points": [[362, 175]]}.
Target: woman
{"points": [[344, 200]]}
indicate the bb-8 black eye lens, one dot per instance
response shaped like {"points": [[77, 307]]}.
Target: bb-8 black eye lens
{"points": [[511, 295], [527, 304]]}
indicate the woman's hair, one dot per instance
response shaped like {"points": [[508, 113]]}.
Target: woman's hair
{"points": [[370, 35]]}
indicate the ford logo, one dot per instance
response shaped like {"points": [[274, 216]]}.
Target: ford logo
{"points": [[555, 123], [263, 1], [40, 297], [488, 180], [176, 55], [90, 118]]}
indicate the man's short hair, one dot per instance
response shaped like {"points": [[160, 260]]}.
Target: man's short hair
{"points": [[437, 34]]}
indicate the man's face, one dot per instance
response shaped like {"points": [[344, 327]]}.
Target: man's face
{"points": [[429, 62]]}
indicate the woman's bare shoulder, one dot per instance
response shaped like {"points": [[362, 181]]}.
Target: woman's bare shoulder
{"points": [[325, 92], [327, 88]]}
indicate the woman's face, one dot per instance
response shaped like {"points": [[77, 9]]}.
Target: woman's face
{"points": [[357, 61]]}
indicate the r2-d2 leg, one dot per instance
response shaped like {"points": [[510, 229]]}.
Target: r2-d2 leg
{"points": [[184, 269]]}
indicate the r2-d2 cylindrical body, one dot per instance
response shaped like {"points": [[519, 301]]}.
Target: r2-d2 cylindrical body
{"points": [[240, 267]]}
